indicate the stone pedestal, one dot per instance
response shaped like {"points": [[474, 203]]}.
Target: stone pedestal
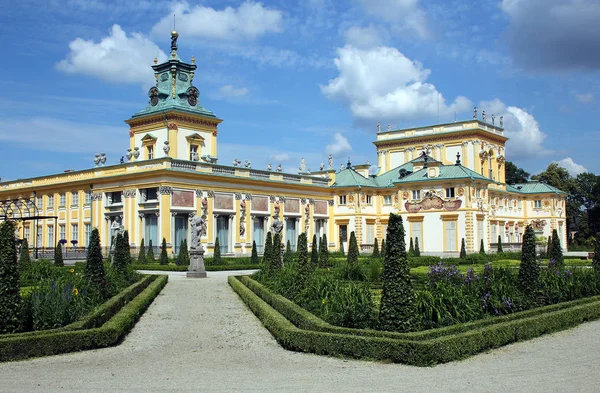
{"points": [[196, 269]]}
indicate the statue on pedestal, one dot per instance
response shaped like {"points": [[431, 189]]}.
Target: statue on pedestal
{"points": [[198, 228]]}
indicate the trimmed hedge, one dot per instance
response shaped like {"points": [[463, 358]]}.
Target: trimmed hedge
{"points": [[175, 268], [104, 327], [297, 329]]}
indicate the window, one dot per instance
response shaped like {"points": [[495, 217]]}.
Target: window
{"points": [[63, 231], [149, 194], [51, 236], [369, 199], [537, 204], [450, 227], [259, 233], [75, 232], [450, 192], [63, 200], [370, 233], [88, 234], [387, 199], [150, 152], [479, 230], [342, 199], [416, 232], [27, 234], [75, 198], [38, 242], [39, 202], [193, 152], [115, 197], [478, 193], [88, 197], [416, 194], [50, 201], [494, 233]]}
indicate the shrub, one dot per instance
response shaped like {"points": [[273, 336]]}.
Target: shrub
{"points": [[482, 247], [254, 255], [323, 252], [529, 271], [463, 249], [549, 248], [500, 250], [126, 247], [397, 308], [383, 249], [24, 258], [142, 254], [351, 272], [164, 257], [58, 258], [375, 269], [411, 248], [120, 256], [266, 260], [217, 253], [376, 248], [305, 267], [352, 250], [150, 254], [596, 259], [288, 255], [183, 257], [10, 300], [275, 262], [314, 252], [417, 250], [557, 253], [94, 267], [341, 251]]}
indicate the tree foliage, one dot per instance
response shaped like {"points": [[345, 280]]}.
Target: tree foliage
{"points": [[217, 253], [10, 299], [596, 259], [376, 253], [275, 257], [514, 174], [305, 267], [352, 258], [150, 254], [411, 248], [463, 249], [288, 256], [183, 257], [58, 257], [94, 266], [254, 255], [24, 257], [142, 253], [383, 249], [482, 247], [529, 270], [417, 249], [500, 244], [323, 252], [119, 260], [557, 253], [268, 251], [314, 252], [397, 308], [164, 257]]}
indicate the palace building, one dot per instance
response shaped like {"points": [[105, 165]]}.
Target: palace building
{"points": [[446, 180]]}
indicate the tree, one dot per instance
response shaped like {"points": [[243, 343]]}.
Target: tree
{"points": [[254, 255], [305, 267], [268, 251], [287, 255], [514, 175], [463, 249], [24, 258], [164, 258], [529, 270], [557, 253], [417, 250], [549, 248], [183, 257], [323, 252], [217, 253], [142, 253], [58, 257], [150, 254], [587, 193], [119, 260], [376, 253], [94, 266], [596, 259], [275, 262], [397, 308], [411, 248], [383, 249], [126, 247], [314, 252], [482, 247], [500, 244], [352, 258], [341, 245], [10, 299]]}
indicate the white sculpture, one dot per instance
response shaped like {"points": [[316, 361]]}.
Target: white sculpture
{"points": [[129, 154], [322, 166], [279, 168], [198, 226], [248, 164], [166, 148], [136, 152], [269, 167], [330, 161], [302, 166]]}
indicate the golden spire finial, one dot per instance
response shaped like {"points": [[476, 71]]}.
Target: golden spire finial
{"points": [[193, 60], [156, 60]]}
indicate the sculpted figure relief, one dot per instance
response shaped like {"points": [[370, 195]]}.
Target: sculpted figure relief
{"points": [[198, 226]]}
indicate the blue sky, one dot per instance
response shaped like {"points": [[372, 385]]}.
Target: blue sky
{"points": [[301, 80]]}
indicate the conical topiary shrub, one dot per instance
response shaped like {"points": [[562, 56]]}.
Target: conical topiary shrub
{"points": [[287, 255], [341, 251], [463, 249], [314, 253], [150, 254], [596, 259], [58, 257], [142, 253], [10, 299], [323, 252], [376, 249], [164, 257], [500, 244], [183, 256], [254, 256], [305, 267], [94, 266], [352, 259], [549, 247], [119, 260], [417, 249], [127, 247], [266, 259], [217, 253], [529, 270], [397, 308], [411, 248], [383, 249], [557, 253], [24, 258], [275, 262], [481, 247]]}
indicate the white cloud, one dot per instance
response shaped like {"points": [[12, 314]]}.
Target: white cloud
{"points": [[524, 133], [584, 98], [228, 91], [405, 15], [338, 146], [382, 84], [280, 157], [249, 21], [116, 58], [363, 37], [66, 136], [571, 166]]}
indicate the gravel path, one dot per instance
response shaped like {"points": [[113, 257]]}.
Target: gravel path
{"points": [[199, 336]]}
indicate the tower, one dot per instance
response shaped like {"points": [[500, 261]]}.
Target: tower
{"points": [[174, 123]]}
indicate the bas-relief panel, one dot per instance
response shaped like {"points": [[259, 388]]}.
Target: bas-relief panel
{"points": [[183, 198], [260, 204], [291, 206], [223, 202], [321, 207]]}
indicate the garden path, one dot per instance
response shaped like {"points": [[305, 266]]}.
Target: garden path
{"points": [[199, 336]]}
